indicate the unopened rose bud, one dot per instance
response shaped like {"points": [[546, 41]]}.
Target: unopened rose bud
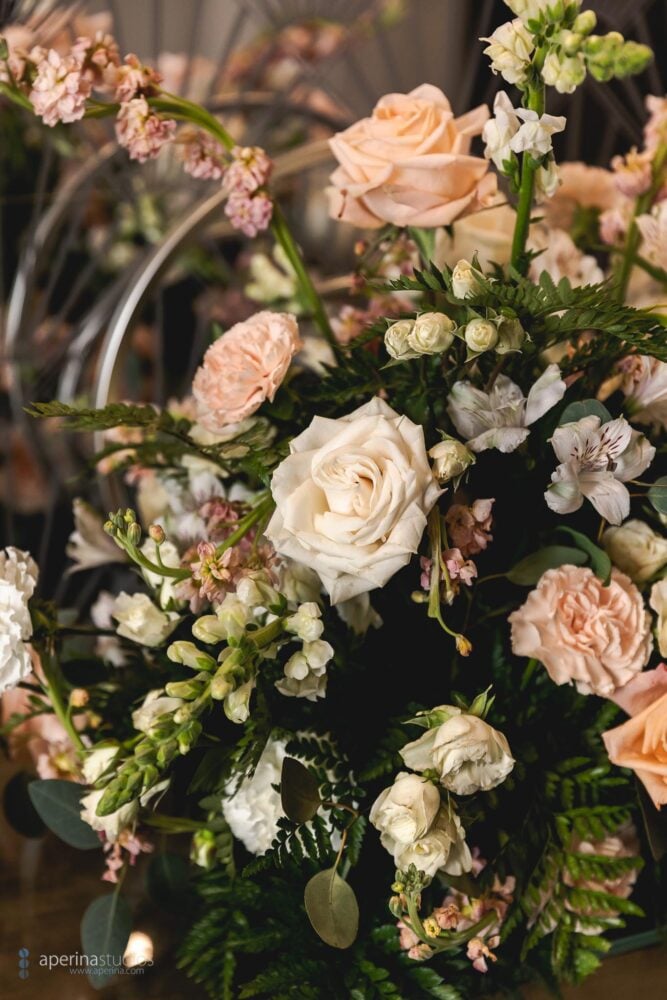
{"points": [[432, 333], [451, 458], [396, 340], [481, 335], [464, 280], [156, 532], [78, 697], [134, 533]]}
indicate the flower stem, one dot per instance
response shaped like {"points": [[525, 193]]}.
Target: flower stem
{"points": [[53, 684], [535, 101], [245, 524]]}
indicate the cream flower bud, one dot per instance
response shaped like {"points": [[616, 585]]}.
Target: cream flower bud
{"points": [[481, 334], [511, 335], [96, 763], [547, 180], [154, 707], [405, 811], [237, 703], [306, 623], [464, 280], [636, 549], [585, 22], [396, 340], [450, 459], [529, 10], [509, 50], [565, 73], [432, 333]]}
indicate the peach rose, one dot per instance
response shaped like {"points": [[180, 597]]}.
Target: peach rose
{"points": [[641, 744], [244, 367], [581, 186], [583, 632], [410, 164]]}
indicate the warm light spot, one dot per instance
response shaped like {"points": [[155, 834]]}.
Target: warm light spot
{"points": [[139, 950]]}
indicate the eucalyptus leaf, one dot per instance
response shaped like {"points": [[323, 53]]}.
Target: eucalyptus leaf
{"points": [[599, 560], [529, 570], [18, 808], [332, 908], [58, 803], [299, 791], [657, 495], [585, 408], [105, 930]]}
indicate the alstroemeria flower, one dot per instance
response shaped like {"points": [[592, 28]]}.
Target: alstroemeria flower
{"points": [[501, 418], [596, 460]]}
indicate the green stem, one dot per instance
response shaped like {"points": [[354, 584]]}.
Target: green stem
{"points": [[245, 524], [139, 558], [17, 97], [633, 237], [53, 683], [535, 101]]}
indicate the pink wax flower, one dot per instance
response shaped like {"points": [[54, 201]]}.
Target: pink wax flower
{"points": [[133, 78], [249, 170], [203, 157], [142, 132], [251, 214], [61, 87], [469, 528]]}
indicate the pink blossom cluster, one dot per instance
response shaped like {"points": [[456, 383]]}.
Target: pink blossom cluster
{"points": [[123, 851], [203, 157], [249, 208], [141, 131], [62, 83], [469, 527]]}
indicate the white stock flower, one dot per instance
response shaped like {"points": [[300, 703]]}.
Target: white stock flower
{"points": [[432, 333], [534, 136], [468, 754], [450, 459], [636, 549], [139, 619], [510, 49], [442, 848], [359, 614], [352, 498], [155, 705], [397, 342], [307, 622], [253, 810], [404, 812], [529, 10], [464, 279], [547, 180], [306, 671], [162, 585], [596, 460], [18, 578], [237, 702], [499, 131], [89, 545], [481, 334], [565, 73], [113, 824], [501, 418], [96, 762], [658, 602]]}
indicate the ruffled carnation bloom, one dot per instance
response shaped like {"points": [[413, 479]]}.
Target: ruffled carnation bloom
{"points": [[352, 498], [596, 460], [584, 633], [61, 86], [142, 132], [640, 743], [469, 528], [253, 809], [502, 417], [244, 367], [18, 579], [409, 163], [645, 386]]}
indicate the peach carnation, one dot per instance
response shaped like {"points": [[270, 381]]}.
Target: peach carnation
{"points": [[410, 164], [244, 367], [583, 632]]}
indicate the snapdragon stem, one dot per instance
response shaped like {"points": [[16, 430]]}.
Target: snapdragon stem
{"points": [[535, 102]]}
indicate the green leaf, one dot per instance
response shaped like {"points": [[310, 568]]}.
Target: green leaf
{"points": [[105, 930], [299, 791], [585, 408], [332, 908], [655, 823], [529, 570], [18, 808], [59, 805], [599, 560], [168, 879], [657, 495]]}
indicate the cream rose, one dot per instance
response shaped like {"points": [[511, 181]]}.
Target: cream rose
{"points": [[583, 632], [636, 549], [243, 368], [352, 498], [450, 459], [432, 333], [481, 334], [641, 744], [406, 811], [467, 753], [658, 601], [409, 164], [442, 848]]}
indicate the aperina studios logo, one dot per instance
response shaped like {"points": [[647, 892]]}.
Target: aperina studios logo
{"points": [[80, 964], [24, 963]]}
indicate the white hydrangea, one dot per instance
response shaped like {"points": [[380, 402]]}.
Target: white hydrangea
{"points": [[18, 578], [253, 810]]}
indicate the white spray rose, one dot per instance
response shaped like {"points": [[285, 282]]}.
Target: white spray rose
{"points": [[432, 333], [352, 498], [510, 48], [442, 848], [96, 763], [253, 810], [450, 459], [155, 705], [468, 754], [511, 335], [406, 811], [636, 549], [397, 340], [464, 279], [139, 619], [18, 578], [481, 334]]}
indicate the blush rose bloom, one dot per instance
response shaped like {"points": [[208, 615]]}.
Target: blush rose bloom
{"points": [[641, 744], [584, 633], [352, 498], [410, 164], [244, 367]]}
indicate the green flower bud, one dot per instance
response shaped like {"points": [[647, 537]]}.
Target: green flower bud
{"points": [[221, 686], [188, 689], [110, 527], [134, 533], [209, 629], [166, 753], [151, 776], [188, 736], [203, 849], [190, 655], [585, 22], [4, 48], [129, 516]]}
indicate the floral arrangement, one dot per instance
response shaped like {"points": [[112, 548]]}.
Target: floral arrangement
{"points": [[387, 645]]}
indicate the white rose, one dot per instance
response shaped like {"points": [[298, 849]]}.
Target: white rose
{"points": [[396, 340], [481, 334], [155, 705], [432, 333], [254, 808], [18, 578], [509, 50], [450, 459], [96, 763], [406, 811], [468, 754], [658, 602], [442, 848], [636, 549], [139, 620], [464, 279], [113, 824], [352, 498]]}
